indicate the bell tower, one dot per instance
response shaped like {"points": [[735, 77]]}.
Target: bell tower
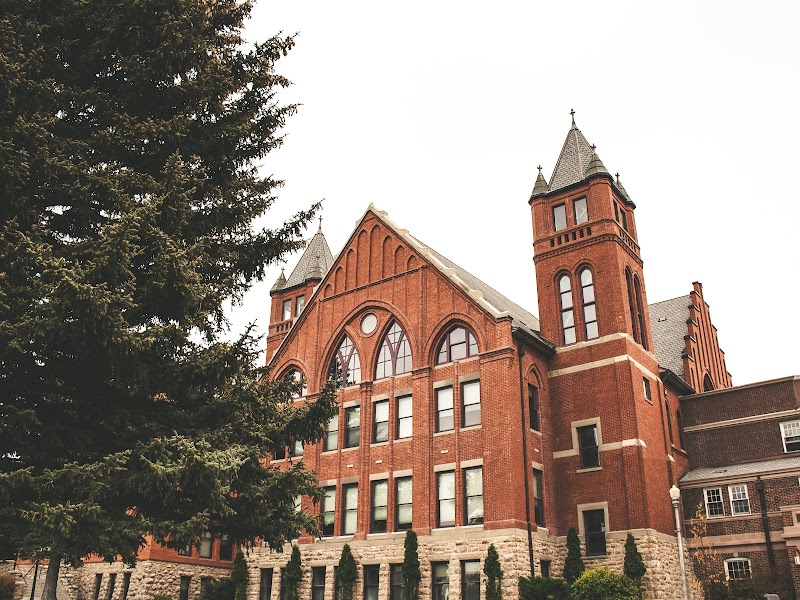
{"points": [[609, 452]]}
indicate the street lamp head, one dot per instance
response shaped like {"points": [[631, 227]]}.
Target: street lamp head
{"points": [[674, 493]]}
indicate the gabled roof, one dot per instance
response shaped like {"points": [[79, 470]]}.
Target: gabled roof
{"points": [[668, 324], [573, 162], [316, 253]]}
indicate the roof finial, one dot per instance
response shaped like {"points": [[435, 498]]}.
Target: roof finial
{"points": [[320, 225], [594, 147], [540, 168], [572, 114], [616, 175]]}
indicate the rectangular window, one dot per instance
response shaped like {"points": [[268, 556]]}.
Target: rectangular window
{"points": [[714, 505], [225, 548], [126, 585], [185, 581], [279, 453], [317, 583], [380, 503], [404, 422], [371, 581], [440, 581], [471, 402], [327, 511], [740, 501], [538, 497], [206, 544], [265, 585], [338, 588], [98, 581], [470, 580], [402, 502], [332, 434], [396, 582], [581, 212], [352, 434], [545, 565], [286, 310], [283, 590], [738, 568], [791, 436], [648, 394], [300, 304], [624, 218], [533, 406], [446, 488], [473, 492], [594, 526], [350, 509], [112, 581], [444, 409], [380, 422], [560, 217], [589, 446], [296, 448]]}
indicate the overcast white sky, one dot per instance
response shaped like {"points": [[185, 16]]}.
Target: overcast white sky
{"points": [[439, 112]]}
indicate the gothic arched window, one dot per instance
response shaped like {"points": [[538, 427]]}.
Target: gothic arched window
{"points": [[297, 376], [457, 344], [632, 306], [589, 306], [637, 288], [708, 384], [394, 357], [567, 312], [345, 366]]}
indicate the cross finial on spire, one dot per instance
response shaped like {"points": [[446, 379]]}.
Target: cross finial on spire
{"points": [[320, 225], [540, 168], [594, 147], [572, 114], [617, 176]]}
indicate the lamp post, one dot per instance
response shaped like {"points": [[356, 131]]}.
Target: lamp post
{"points": [[675, 495]]}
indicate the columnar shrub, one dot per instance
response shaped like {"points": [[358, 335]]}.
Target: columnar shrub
{"points": [[494, 575], [346, 573], [411, 572], [573, 565], [292, 575]]}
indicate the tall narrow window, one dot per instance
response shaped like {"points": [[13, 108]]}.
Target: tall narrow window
{"points": [[112, 582], [186, 581], [300, 304], [380, 421], [594, 526], [332, 434], [265, 585], [648, 392], [283, 592], [589, 306], [669, 418], [380, 503], [446, 488], [533, 406], [317, 583], [345, 367], [567, 313], [206, 544], [98, 581], [286, 310], [538, 498], [404, 417], [471, 403], [403, 506], [581, 212], [637, 288], [397, 583], [327, 511], [560, 217], [589, 446], [681, 434], [126, 584], [225, 548], [473, 492], [444, 409], [440, 582], [470, 580], [632, 306], [350, 508], [371, 581], [352, 434], [394, 357], [457, 344]]}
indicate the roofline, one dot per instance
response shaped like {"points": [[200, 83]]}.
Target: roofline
{"points": [[577, 184], [723, 478], [669, 376], [794, 378], [547, 348]]}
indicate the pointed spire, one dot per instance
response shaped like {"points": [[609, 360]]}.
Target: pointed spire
{"points": [[540, 188], [576, 154], [596, 166], [314, 263], [314, 271], [280, 283], [622, 190]]}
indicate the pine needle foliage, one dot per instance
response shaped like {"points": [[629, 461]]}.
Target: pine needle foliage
{"points": [[573, 564], [292, 575], [494, 574], [411, 570], [633, 567], [130, 139], [346, 573], [239, 576]]}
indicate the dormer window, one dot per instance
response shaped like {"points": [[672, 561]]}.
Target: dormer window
{"points": [[581, 211], [560, 217]]}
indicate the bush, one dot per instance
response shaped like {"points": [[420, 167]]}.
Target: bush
{"points": [[602, 584], [494, 575], [7, 585], [216, 589], [240, 576], [411, 571], [292, 575], [544, 588], [634, 565], [573, 565], [346, 573]]}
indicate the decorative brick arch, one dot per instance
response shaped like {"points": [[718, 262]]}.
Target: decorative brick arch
{"points": [[445, 325]]}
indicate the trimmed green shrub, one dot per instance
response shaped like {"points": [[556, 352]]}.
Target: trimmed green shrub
{"points": [[494, 575], [346, 573], [634, 565], [216, 589], [292, 575], [240, 576], [603, 584], [573, 565], [411, 572], [544, 588]]}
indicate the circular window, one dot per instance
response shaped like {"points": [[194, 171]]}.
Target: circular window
{"points": [[369, 323]]}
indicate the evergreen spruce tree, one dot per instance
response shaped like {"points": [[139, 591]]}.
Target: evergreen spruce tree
{"points": [[411, 571], [634, 567], [130, 135], [346, 573], [494, 575], [573, 565], [240, 576], [292, 575]]}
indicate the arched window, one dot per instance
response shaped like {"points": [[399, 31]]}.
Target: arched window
{"points": [[637, 288], [589, 307], [681, 437], [708, 384], [631, 306], [458, 343], [394, 357], [669, 418], [567, 313], [296, 375], [345, 367]]}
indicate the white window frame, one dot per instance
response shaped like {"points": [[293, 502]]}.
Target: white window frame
{"points": [[705, 501], [739, 486], [740, 560], [784, 436]]}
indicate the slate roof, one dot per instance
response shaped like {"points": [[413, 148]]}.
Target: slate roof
{"points": [[787, 463], [317, 247], [576, 154], [668, 324]]}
